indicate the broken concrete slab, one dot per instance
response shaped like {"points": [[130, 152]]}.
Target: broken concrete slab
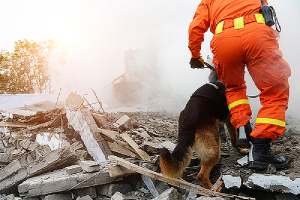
{"points": [[62, 196], [83, 122], [59, 181], [274, 183], [231, 182], [19, 172], [169, 194], [123, 122], [73, 169], [89, 166], [118, 196]]}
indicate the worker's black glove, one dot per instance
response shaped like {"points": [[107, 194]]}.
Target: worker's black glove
{"points": [[197, 63]]}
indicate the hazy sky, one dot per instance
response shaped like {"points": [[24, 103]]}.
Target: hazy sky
{"points": [[94, 34]]}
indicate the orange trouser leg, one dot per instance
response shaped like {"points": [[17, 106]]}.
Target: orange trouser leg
{"points": [[270, 73], [228, 59]]}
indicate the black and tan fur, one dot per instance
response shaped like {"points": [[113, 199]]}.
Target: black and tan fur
{"points": [[199, 131]]}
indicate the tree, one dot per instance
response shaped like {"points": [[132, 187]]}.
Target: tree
{"points": [[25, 70]]}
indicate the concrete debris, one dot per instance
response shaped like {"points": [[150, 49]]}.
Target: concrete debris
{"points": [[59, 181], [110, 189], [62, 196], [87, 197], [168, 145], [89, 166], [5, 157], [243, 161], [89, 191], [54, 141], [83, 122], [117, 196], [210, 198], [70, 152], [232, 182], [73, 169], [123, 122], [169, 194], [274, 183]]}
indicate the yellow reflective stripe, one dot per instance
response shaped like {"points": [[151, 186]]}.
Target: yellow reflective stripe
{"points": [[237, 103], [270, 121], [260, 18], [239, 23], [219, 28]]}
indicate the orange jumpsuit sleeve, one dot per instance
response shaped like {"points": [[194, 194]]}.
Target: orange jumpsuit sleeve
{"points": [[198, 27]]}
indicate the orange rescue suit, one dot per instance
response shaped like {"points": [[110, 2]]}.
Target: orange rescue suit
{"points": [[242, 39]]}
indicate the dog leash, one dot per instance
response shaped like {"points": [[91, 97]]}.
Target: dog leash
{"points": [[209, 66]]}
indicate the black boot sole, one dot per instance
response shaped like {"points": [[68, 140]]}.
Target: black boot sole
{"points": [[263, 166]]}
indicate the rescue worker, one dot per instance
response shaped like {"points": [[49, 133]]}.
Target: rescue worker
{"points": [[241, 38]]}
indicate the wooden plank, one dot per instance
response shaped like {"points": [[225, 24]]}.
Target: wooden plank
{"points": [[114, 136], [172, 181], [44, 125], [13, 125], [121, 150], [135, 146]]}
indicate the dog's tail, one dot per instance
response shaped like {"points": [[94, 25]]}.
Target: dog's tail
{"points": [[173, 164]]}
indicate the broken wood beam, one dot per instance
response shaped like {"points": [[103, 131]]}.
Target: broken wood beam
{"points": [[136, 147], [172, 181]]}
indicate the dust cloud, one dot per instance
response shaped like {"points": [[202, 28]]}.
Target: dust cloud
{"points": [[159, 28]]}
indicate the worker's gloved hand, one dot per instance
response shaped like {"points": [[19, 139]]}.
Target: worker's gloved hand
{"points": [[197, 63]]}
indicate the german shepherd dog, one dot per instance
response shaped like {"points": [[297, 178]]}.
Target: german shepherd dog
{"points": [[199, 131]]}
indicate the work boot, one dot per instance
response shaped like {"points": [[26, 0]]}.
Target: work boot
{"points": [[243, 142], [260, 156]]}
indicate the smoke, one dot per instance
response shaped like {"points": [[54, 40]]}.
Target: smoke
{"points": [[106, 29]]}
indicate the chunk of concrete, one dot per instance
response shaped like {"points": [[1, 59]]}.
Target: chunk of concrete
{"points": [[73, 169], [231, 182], [63, 196], [168, 145], [87, 197], [169, 194], [243, 161], [9, 197], [89, 166], [123, 122], [89, 191], [110, 189], [117, 196], [5, 157], [274, 183]]}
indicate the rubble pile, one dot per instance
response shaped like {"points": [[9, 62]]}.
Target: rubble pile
{"points": [[69, 151]]}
